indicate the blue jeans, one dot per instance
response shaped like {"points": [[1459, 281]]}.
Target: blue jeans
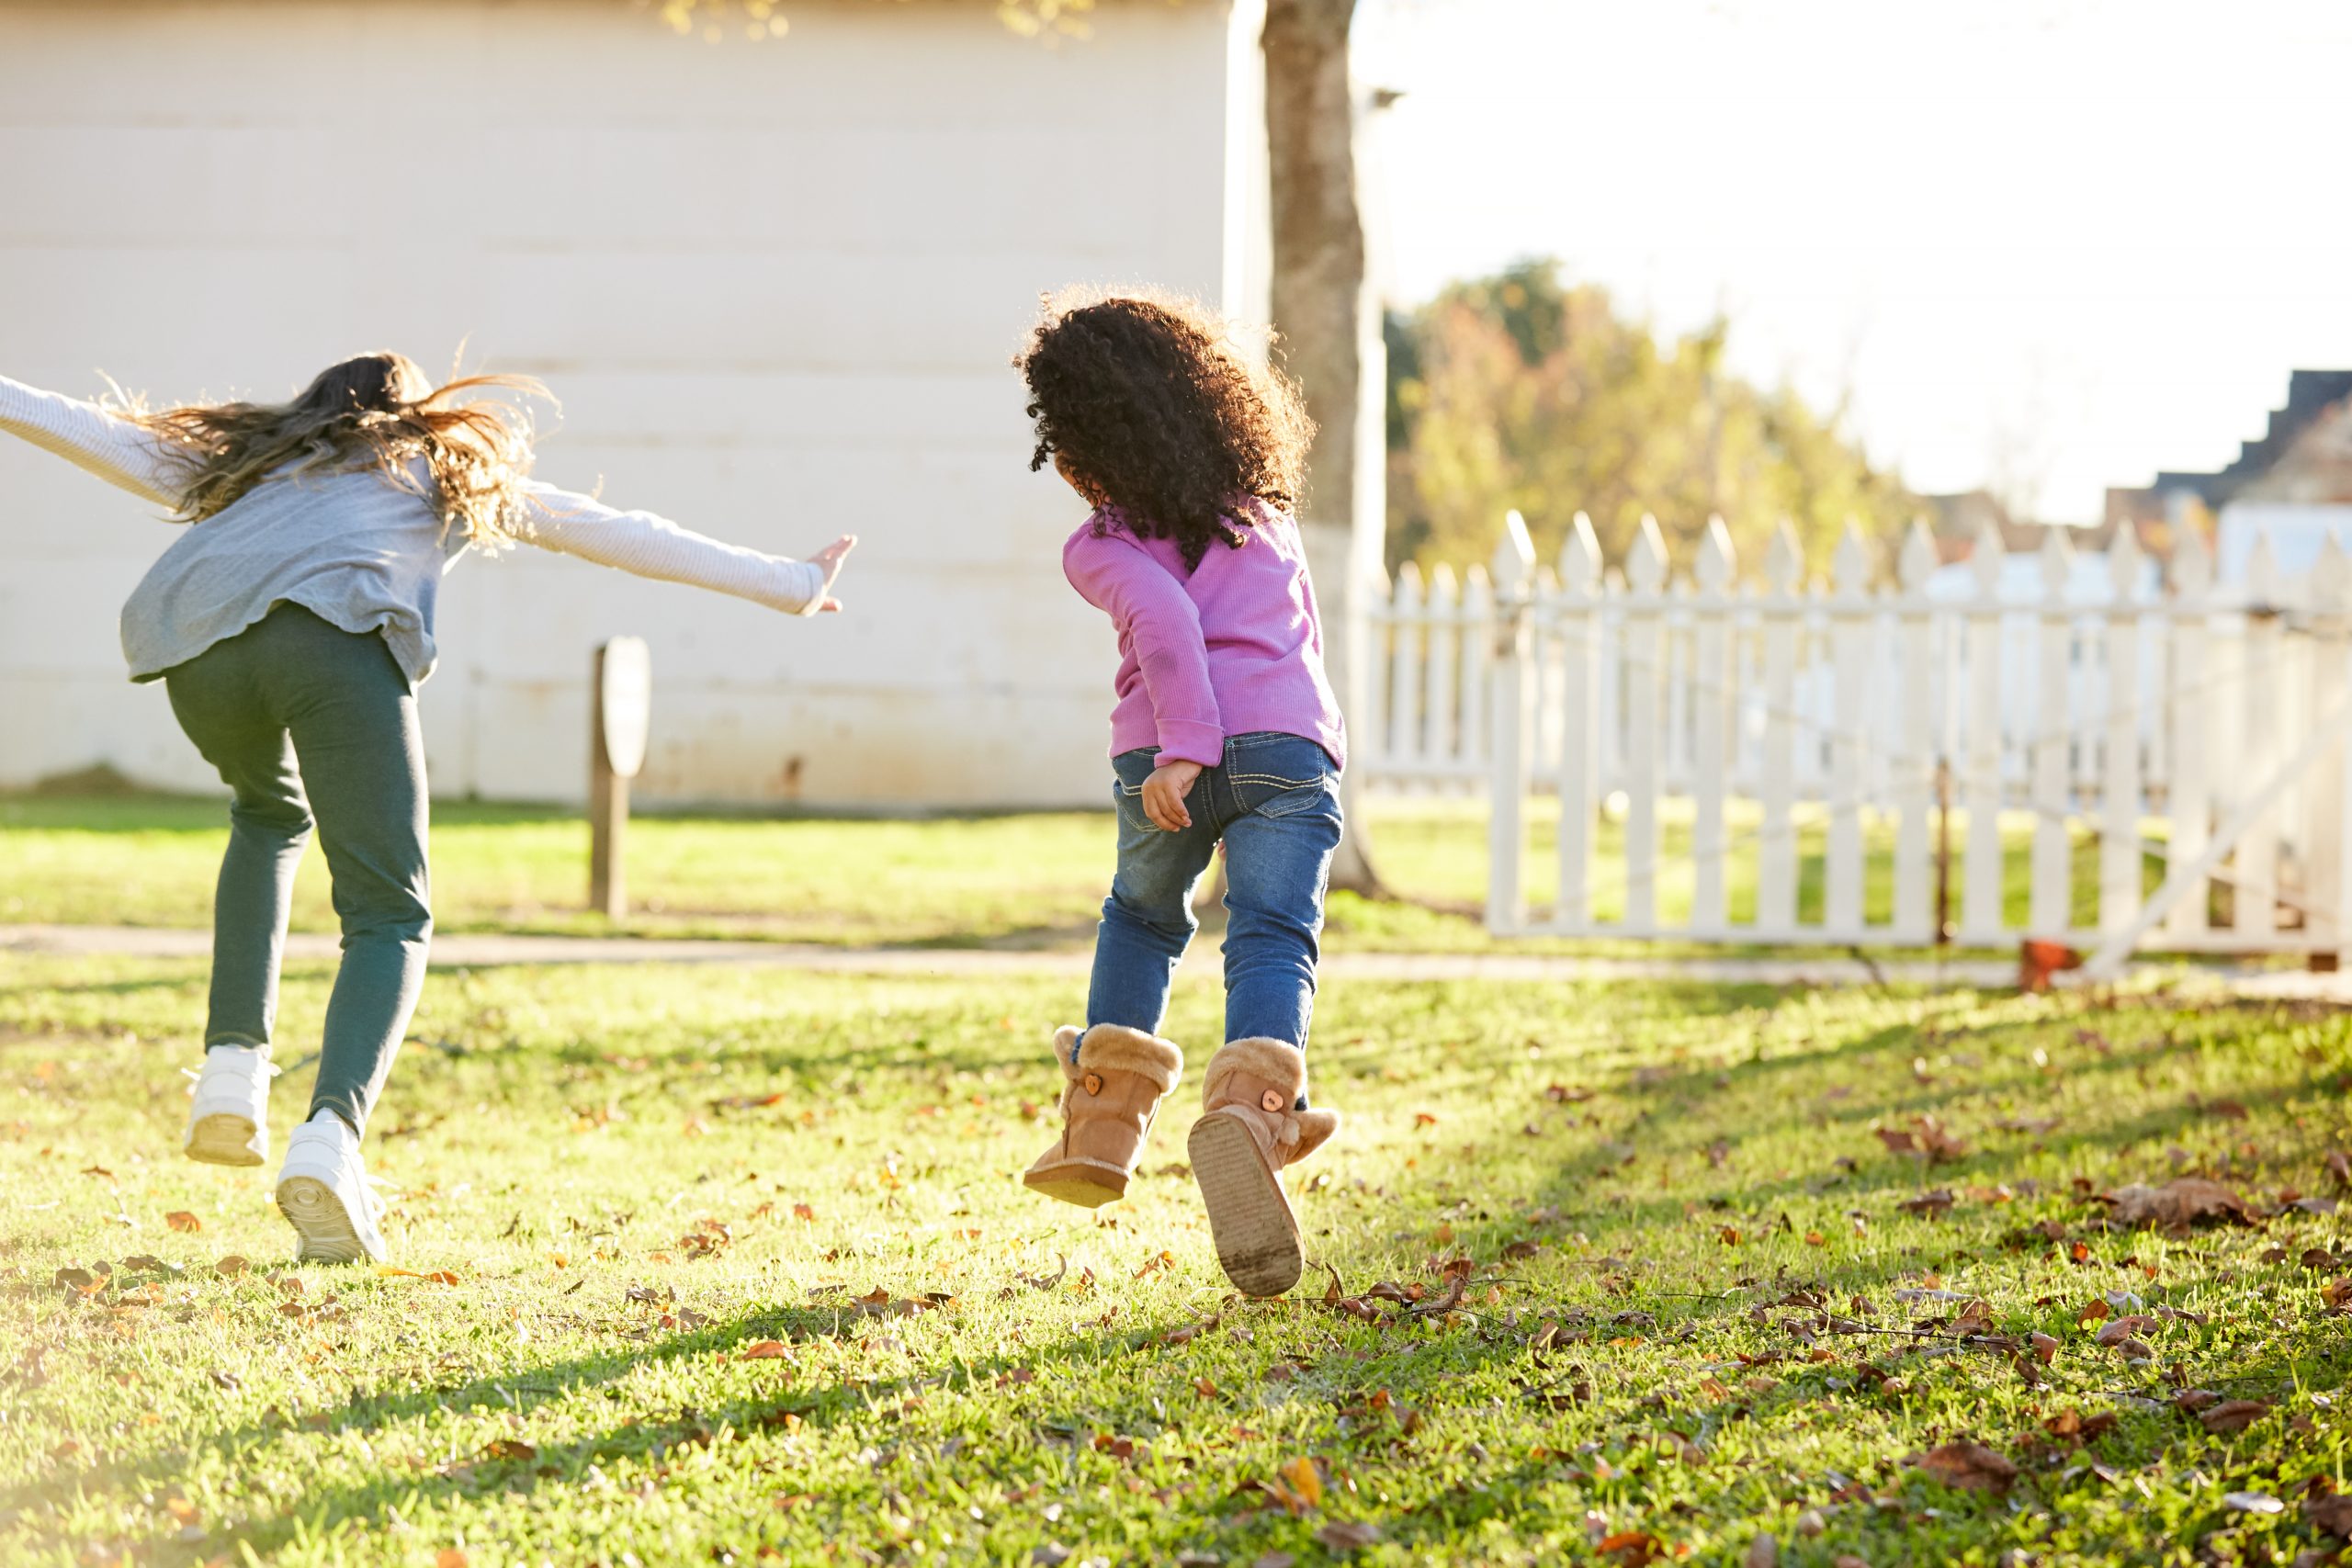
{"points": [[1275, 802]]}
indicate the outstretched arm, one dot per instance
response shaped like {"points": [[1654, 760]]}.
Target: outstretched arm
{"points": [[647, 546], [86, 436], [1163, 626]]}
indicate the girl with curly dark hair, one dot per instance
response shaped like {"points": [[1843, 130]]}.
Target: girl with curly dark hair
{"points": [[1190, 448]]}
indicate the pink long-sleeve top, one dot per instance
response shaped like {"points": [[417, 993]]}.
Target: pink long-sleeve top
{"points": [[1231, 647]]}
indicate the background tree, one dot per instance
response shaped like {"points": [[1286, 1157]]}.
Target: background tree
{"points": [[1520, 391]]}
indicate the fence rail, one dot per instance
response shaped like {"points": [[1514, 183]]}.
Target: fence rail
{"points": [[1756, 720]]}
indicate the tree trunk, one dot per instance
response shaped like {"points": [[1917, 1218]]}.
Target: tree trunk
{"points": [[1329, 327]]}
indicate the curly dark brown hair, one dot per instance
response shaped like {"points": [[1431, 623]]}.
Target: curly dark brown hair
{"points": [[1151, 401]]}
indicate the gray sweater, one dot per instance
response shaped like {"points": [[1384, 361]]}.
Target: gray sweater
{"points": [[355, 547]]}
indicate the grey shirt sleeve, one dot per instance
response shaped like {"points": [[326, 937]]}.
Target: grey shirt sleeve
{"points": [[86, 436], [647, 546]]}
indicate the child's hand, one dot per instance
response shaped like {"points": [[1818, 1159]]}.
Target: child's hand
{"points": [[1164, 793], [830, 557]]}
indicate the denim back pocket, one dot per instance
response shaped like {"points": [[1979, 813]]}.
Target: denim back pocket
{"points": [[1129, 769], [1280, 775]]}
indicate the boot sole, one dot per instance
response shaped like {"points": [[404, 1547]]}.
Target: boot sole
{"points": [[1250, 1221], [1086, 1191], [321, 1221], [225, 1139]]}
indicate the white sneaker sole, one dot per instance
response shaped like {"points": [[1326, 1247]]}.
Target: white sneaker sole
{"points": [[227, 1139], [322, 1221], [1250, 1220]]}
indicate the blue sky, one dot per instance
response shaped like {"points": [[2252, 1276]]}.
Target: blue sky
{"points": [[2054, 244]]}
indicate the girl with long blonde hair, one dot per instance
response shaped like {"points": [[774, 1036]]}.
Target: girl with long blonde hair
{"points": [[292, 624]]}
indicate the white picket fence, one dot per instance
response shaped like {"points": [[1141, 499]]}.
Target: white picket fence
{"points": [[1753, 719]]}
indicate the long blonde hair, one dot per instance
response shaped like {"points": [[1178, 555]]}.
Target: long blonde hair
{"points": [[371, 411]]}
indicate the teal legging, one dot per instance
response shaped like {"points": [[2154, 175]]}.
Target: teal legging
{"points": [[304, 721]]}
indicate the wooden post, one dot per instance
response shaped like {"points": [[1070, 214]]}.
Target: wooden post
{"points": [[1714, 747], [2051, 900], [2255, 865], [1580, 721], [1917, 769], [1776, 847], [2119, 881], [1514, 576], [1982, 920], [1645, 569], [2190, 699], [1851, 657], [620, 708]]}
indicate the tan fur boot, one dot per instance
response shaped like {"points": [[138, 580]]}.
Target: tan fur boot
{"points": [[1250, 1132], [1117, 1078]]}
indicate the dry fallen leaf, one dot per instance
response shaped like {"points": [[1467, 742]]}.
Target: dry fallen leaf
{"points": [[1970, 1466], [767, 1350], [2332, 1514], [2177, 1204], [1347, 1537], [182, 1221], [450, 1558], [509, 1448], [1305, 1480], [1631, 1547], [2234, 1414]]}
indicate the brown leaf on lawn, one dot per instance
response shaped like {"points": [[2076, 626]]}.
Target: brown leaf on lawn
{"points": [[1563, 1094], [2234, 1414], [1186, 1333], [2177, 1204], [1305, 1480], [451, 1557], [1762, 1552], [1518, 1249], [1631, 1547], [2331, 1514], [1970, 1466], [230, 1266], [1347, 1537], [2336, 1292], [182, 1221], [1932, 1204], [2124, 1327], [767, 1350], [1728, 1235], [1424, 1118], [2044, 1348], [1897, 1141], [509, 1448]]}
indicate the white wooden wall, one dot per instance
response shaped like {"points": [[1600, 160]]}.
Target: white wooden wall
{"points": [[776, 285], [1794, 709]]}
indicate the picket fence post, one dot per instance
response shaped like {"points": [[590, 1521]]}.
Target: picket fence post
{"points": [[1514, 573], [1914, 772], [1849, 626], [1714, 682], [1644, 688], [1982, 919], [1579, 621], [2253, 867], [2189, 687], [2118, 870], [1440, 740], [1477, 648], [2051, 902], [1404, 670], [1784, 609]]}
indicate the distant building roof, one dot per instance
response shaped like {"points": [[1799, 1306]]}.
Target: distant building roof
{"points": [[2309, 394]]}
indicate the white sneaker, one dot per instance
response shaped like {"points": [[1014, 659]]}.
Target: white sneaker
{"points": [[323, 1192], [229, 1122]]}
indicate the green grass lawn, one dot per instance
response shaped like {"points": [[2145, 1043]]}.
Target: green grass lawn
{"points": [[1025, 880], [726, 1265]]}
